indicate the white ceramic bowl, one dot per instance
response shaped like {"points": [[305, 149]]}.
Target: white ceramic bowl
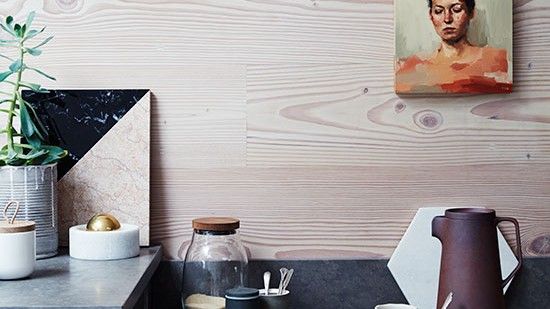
{"points": [[17, 255]]}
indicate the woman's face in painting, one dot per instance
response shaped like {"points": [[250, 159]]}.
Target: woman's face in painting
{"points": [[450, 19]]}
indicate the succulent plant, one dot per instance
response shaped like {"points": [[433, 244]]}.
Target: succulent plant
{"points": [[24, 145]]}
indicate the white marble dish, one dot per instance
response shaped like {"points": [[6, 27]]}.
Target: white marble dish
{"points": [[104, 245]]}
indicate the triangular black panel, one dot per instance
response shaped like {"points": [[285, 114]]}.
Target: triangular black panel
{"points": [[77, 119]]}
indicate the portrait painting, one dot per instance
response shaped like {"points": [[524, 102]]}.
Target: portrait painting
{"points": [[453, 46]]}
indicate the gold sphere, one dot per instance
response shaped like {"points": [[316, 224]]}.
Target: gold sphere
{"points": [[102, 222]]}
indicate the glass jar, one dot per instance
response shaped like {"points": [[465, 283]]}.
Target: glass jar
{"points": [[215, 262]]}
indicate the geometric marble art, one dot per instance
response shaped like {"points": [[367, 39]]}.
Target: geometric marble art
{"points": [[415, 262], [107, 135]]}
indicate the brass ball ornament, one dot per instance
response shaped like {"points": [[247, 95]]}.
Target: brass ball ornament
{"points": [[102, 223]]}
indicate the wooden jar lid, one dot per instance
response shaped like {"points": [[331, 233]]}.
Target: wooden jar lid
{"points": [[217, 224], [16, 227]]}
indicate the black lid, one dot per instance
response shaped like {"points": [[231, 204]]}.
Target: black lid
{"points": [[242, 293]]}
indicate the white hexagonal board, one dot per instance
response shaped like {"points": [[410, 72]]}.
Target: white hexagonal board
{"points": [[416, 260]]}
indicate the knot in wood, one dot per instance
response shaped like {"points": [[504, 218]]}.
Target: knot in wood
{"points": [[399, 107], [540, 245], [67, 4], [428, 119]]}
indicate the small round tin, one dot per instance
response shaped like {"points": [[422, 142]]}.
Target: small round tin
{"points": [[242, 298]]}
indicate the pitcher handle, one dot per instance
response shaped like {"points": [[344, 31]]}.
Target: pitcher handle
{"points": [[518, 249]]}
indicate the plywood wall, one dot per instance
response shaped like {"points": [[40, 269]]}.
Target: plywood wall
{"points": [[282, 113]]}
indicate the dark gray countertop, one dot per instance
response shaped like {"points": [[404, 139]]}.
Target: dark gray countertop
{"points": [[63, 282], [350, 284]]}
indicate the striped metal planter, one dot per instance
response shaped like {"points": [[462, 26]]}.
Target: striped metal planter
{"points": [[34, 187]]}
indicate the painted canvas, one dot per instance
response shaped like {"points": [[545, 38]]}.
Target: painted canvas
{"points": [[453, 46]]}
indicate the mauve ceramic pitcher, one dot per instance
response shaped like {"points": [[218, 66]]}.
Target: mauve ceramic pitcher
{"points": [[470, 263]]}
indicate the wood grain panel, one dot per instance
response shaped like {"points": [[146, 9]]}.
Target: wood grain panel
{"points": [[237, 31], [342, 212], [349, 115], [198, 112], [282, 112], [213, 31]]}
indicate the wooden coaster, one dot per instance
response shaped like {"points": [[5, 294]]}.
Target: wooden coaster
{"points": [[16, 227]]}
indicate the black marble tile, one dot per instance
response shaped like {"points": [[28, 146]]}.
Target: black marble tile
{"points": [[77, 119], [353, 284]]}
